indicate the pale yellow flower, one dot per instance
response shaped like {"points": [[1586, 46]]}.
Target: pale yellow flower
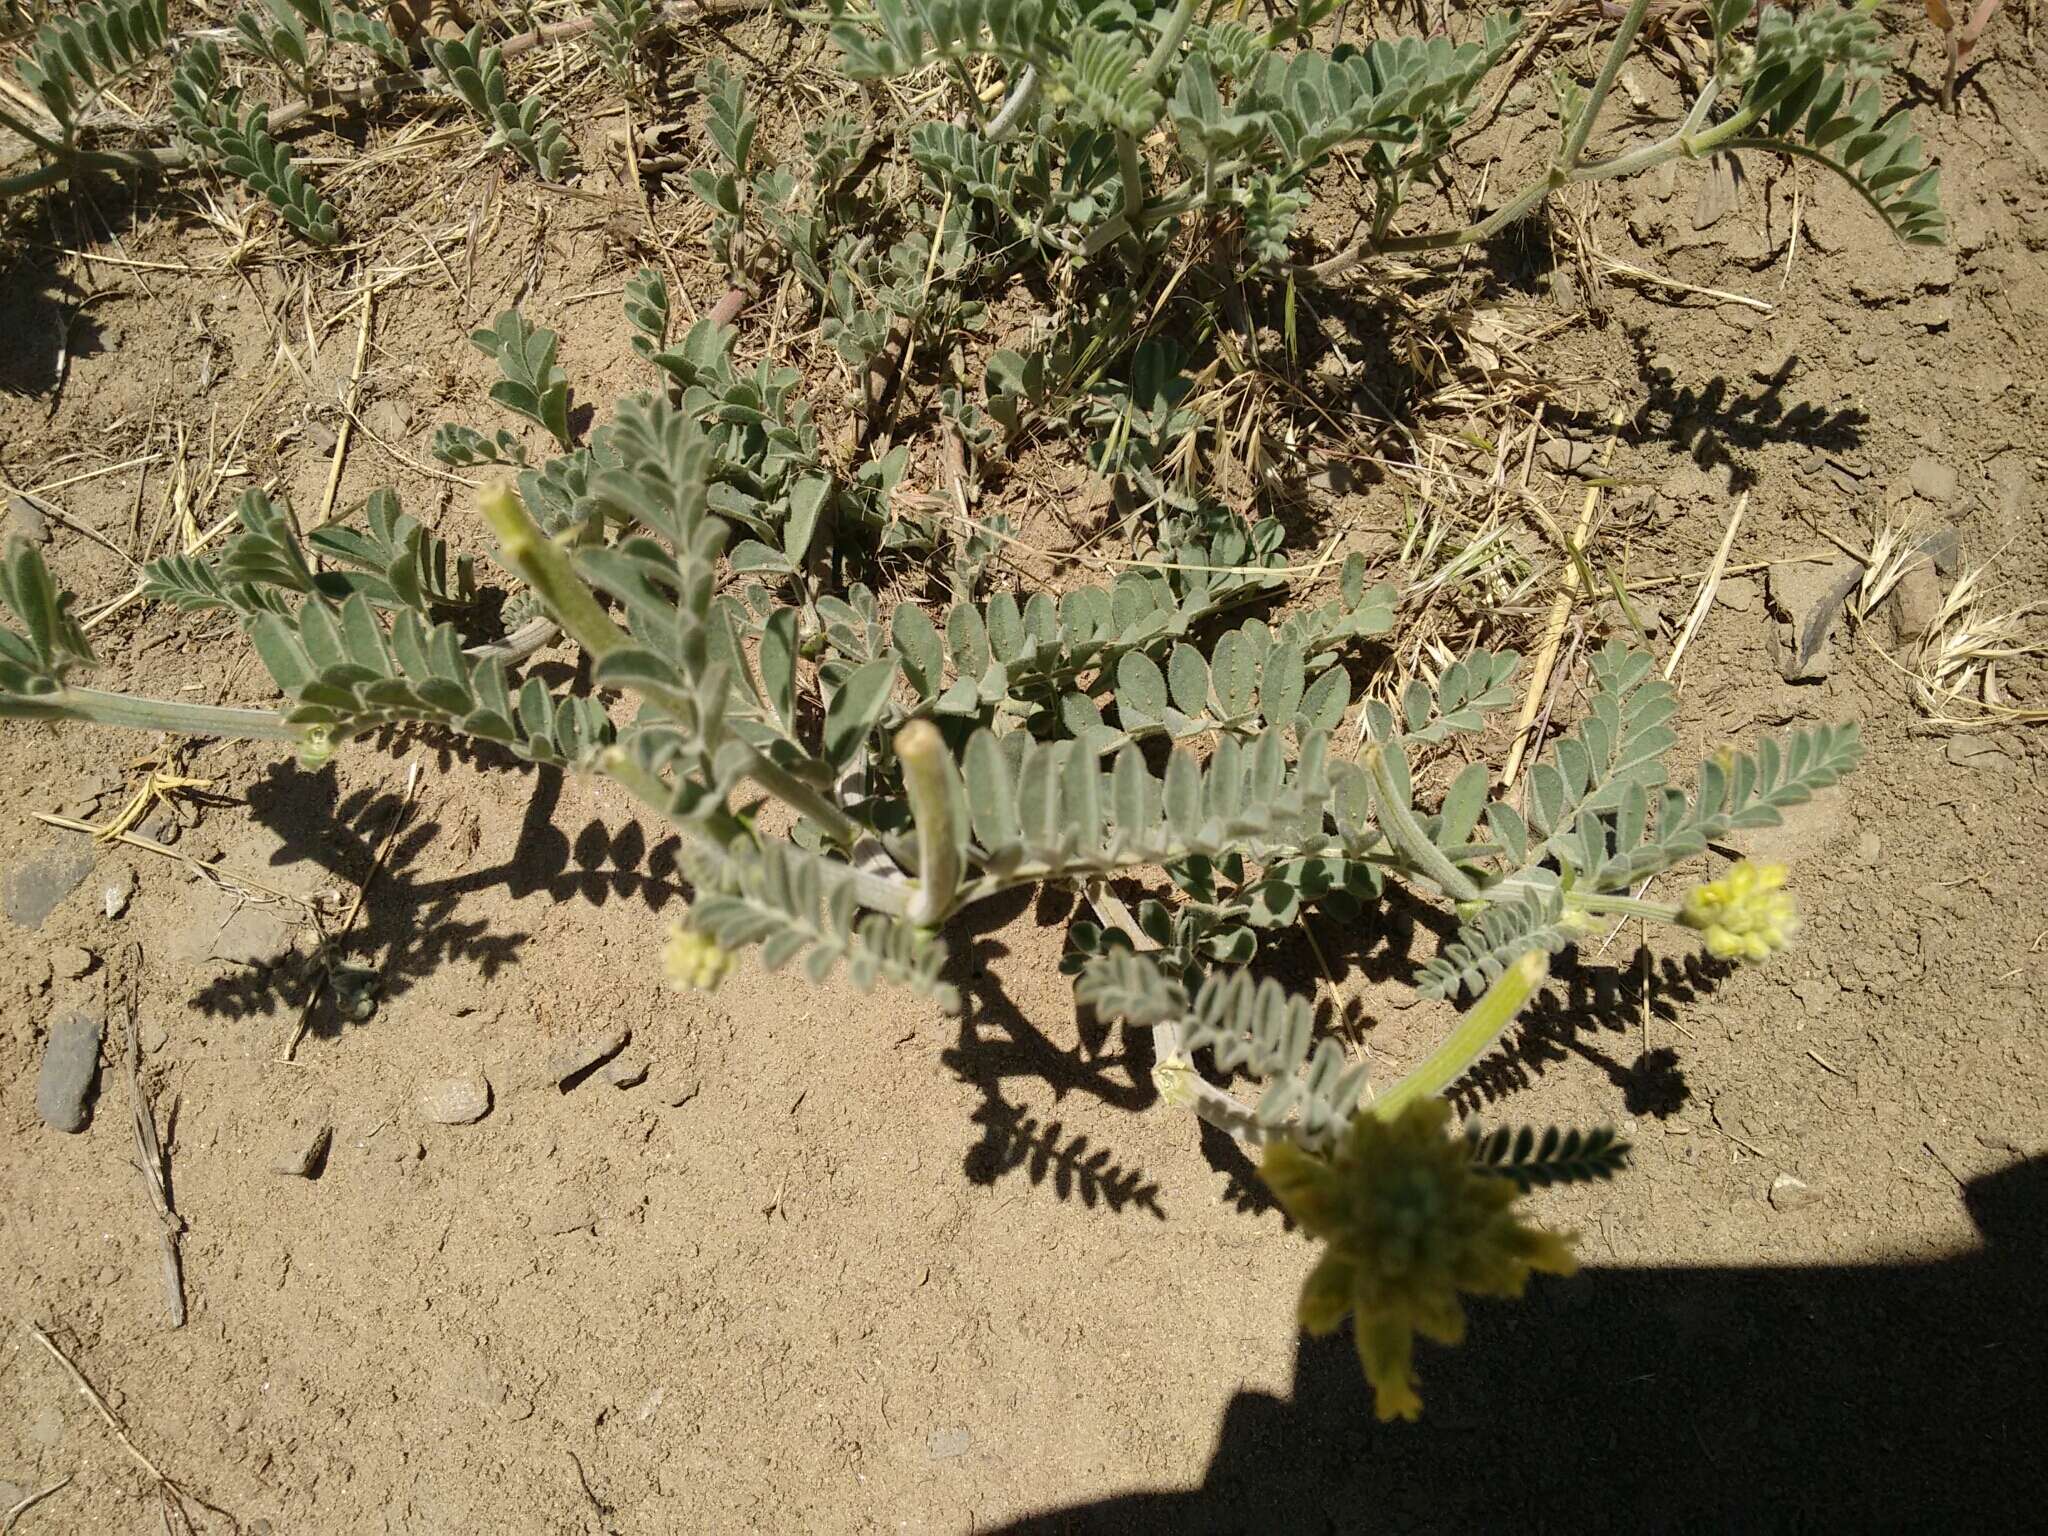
{"points": [[694, 961], [1744, 915], [1408, 1222]]}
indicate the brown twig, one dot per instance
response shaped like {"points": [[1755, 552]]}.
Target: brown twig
{"points": [[170, 1494], [150, 1159]]}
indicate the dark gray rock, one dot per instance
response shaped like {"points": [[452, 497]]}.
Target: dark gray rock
{"points": [[33, 889], [71, 1061]]}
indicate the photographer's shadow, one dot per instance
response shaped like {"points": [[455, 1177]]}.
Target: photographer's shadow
{"points": [[1854, 1397]]}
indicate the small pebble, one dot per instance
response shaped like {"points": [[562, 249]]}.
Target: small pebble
{"points": [[626, 1072], [118, 892], [681, 1093], [945, 1444], [155, 1037], [70, 962], [319, 437], [25, 518], [1737, 592], [461, 1100], [1932, 480], [570, 1065], [1789, 1193], [71, 1060], [307, 1156]]}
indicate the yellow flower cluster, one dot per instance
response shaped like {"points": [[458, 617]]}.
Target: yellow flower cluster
{"points": [[1745, 914], [694, 961], [1409, 1222]]}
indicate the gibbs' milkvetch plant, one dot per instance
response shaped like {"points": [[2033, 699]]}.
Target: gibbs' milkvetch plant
{"points": [[935, 761], [1122, 123], [1178, 728]]}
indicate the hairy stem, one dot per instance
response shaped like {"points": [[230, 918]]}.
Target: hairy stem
{"points": [[1181, 1086], [96, 707], [1397, 820], [1133, 175], [1622, 906], [1170, 39], [1484, 1022], [1596, 99], [1005, 122]]}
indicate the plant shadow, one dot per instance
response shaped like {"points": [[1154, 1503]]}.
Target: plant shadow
{"points": [[1893, 1396], [411, 924], [1717, 424], [1584, 1000]]}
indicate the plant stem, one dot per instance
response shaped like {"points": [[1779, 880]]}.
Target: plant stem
{"points": [[1005, 122], [1133, 175], [1170, 39], [1582, 129], [1181, 1086], [1622, 906], [1397, 820], [96, 707], [1484, 1022]]}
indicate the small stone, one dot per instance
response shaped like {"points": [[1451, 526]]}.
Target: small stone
{"points": [[70, 962], [25, 519], [161, 827], [945, 1444], [154, 1037], [306, 1156], [570, 1065], [71, 1061], [1916, 602], [1868, 846], [1565, 455], [389, 419], [626, 1073], [1932, 480], [118, 892], [1789, 1193], [1944, 547], [34, 889], [319, 438], [1809, 599], [1867, 353], [1737, 592], [461, 1100], [681, 1093]]}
